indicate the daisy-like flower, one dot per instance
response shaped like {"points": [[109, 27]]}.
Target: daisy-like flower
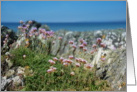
{"points": [[99, 40], [71, 57], [51, 62], [72, 73], [24, 56], [71, 42], [55, 59], [88, 66], [77, 64]]}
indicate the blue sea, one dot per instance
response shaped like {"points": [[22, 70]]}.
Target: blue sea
{"points": [[81, 26]]}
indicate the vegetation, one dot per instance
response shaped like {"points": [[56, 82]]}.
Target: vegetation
{"points": [[63, 78]]}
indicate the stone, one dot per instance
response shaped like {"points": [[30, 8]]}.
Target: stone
{"points": [[17, 81], [9, 73]]}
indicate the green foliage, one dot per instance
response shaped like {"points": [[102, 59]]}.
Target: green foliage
{"points": [[60, 80]]}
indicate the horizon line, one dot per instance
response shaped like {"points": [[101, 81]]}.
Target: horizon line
{"points": [[70, 22]]}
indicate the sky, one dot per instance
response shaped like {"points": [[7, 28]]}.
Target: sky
{"points": [[63, 11]]}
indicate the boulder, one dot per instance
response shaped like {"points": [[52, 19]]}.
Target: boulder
{"points": [[8, 37]]}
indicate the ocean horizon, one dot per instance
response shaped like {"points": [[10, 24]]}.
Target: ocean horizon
{"points": [[74, 26]]}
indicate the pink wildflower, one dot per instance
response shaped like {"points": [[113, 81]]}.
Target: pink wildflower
{"points": [[74, 46], [94, 46], [55, 59], [77, 64], [71, 42], [72, 73], [65, 64], [85, 43], [24, 56], [99, 40], [52, 62], [81, 46], [60, 38], [88, 66], [71, 57], [84, 49], [81, 40], [103, 45]]}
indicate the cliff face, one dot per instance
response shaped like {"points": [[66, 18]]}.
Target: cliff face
{"points": [[105, 50]]}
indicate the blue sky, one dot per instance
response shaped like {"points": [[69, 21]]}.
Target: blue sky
{"points": [[63, 11]]}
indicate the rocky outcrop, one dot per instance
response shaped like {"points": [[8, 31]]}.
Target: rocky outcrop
{"points": [[8, 37]]}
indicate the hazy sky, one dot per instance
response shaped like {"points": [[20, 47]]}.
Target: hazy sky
{"points": [[63, 11]]}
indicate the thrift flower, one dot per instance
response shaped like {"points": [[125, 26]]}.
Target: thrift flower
{"points": [[52, 62], [85, 43], [92, 52], [88, 66], [7, 35], [71, 57], [60, 38], [74, 46], [61, 59], [84, 49], [94, 46], [81, 46], [99, 40], [24, 56], [49, 70], [55, 59], [77, 59], [103, 59], [81, 40], [71, 42], [103, 45], [77, 64], [72, 73], [84, 61], [65, 64]]}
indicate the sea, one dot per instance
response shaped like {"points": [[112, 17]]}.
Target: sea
{"points": [[78, 26]]}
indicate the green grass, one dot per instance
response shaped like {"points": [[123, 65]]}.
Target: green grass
{"points": [[60, 80]]}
